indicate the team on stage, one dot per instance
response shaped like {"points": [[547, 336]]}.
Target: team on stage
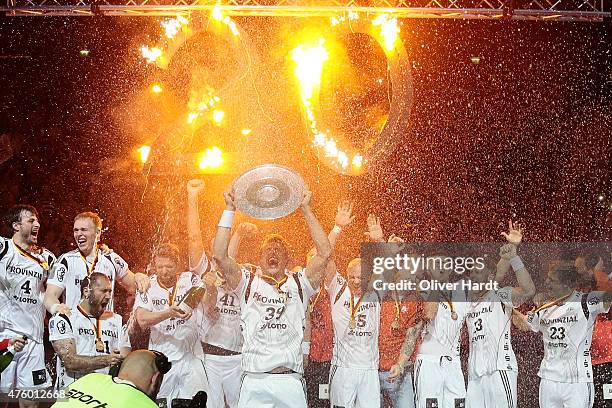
{"points": [[269, 336]]}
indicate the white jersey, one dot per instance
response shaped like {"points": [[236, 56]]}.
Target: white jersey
{"points": [[567, 330], [354, 347], [273, 323], [22, 290], [82, 329], [174, 337], [71, 268], [488, 323], [442, 335], [226, 332]]}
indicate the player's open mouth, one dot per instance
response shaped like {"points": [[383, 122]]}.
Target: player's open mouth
{"points": [[273, 262], [82, 241]]}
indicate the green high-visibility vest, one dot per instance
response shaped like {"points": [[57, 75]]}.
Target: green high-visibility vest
{"points": [[101, 391]]}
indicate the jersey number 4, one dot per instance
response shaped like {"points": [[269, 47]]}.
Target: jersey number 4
{"points": [[26, 288]]}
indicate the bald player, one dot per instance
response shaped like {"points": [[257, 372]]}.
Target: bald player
{"points": [[273, 305]]}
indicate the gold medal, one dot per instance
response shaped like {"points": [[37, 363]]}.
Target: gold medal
{"points": [[99, 345], [283, 296], [352, 323], [454, 315], [45, 266], [395, 324]]}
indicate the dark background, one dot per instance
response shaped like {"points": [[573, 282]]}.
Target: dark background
{"points": [[525, 134]]}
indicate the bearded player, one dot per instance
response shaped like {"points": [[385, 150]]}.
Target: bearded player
{"points": [[273, 305], [23, 270]]}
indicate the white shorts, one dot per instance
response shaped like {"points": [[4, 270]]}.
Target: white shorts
{"points": [[566, 395], [354, 388], [438, 382], [27, 370], [223, 374], [272, 391], [495, 390], [186, 377]]}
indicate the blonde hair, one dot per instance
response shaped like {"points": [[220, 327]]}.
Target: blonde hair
{"points": [[95, 218]]}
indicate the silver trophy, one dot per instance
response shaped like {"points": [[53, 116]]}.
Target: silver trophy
{"points": [[268, 192]]}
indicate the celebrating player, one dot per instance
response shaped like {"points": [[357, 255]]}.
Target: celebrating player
{"points": [[320, 348], [222, 337], [273, 305], [400, 326], [23, 270], [566, 322], [355, 311], [438, 378], [492, 367], [88, 340], [174, 331], [71, 267]]}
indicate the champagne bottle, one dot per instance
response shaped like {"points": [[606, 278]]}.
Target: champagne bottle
{"points": [[6, 358], [192, 298]]}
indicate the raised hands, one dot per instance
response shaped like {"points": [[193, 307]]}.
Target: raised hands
{"points": [[374, 232], [195, 186], [515, 233], [246, 229], [306, 197], [344, 215], [228, 196]]}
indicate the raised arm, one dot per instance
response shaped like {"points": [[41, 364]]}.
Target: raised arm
{"points": [[344, 217], [227, 265], [194, 233], [316, 267], [526, 288], [66, 349], [243, 230]]}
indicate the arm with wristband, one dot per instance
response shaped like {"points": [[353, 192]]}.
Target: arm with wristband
{"points": [[526, 288], [227, 265]]}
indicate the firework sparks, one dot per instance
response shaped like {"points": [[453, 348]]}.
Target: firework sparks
{"points": [[212, 158], [389, 30]]}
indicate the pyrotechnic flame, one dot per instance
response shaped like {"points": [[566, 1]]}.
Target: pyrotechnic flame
{"points": [[200, 102], [192, 116], [218, 116], [156, 88], [389, 30], [212, 158], [174, 25], [150, 54], [309, 62], [309, 66], [144, 152], [217, 14]]}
